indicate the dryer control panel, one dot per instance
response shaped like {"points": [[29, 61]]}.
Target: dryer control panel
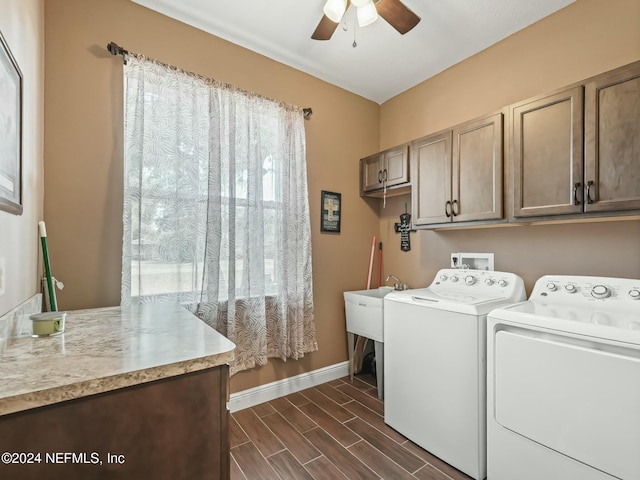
{"points": [[585, 291]]}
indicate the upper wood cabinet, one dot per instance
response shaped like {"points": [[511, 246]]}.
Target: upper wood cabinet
{"points": [[477, 170], [612, 129], [546, 140], [458, 173], [577, 150], [371, 173], [431, 167], [389, 168]]}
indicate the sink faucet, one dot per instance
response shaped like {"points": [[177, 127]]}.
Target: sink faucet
{"points": [[398, 285]]}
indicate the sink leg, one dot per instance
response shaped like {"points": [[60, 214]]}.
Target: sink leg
{"points": [[350, 346], [379, 348]]}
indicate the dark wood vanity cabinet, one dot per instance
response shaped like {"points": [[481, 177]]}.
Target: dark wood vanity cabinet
{"points": [[174, 428]]}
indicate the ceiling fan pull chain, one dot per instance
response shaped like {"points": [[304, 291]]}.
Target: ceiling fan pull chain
{"points": [[355, 44]]}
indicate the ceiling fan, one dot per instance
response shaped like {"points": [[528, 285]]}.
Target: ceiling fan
{"points": [[393, 11]]}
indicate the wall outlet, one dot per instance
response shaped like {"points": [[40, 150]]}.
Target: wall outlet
{"points": [[2, 275]]}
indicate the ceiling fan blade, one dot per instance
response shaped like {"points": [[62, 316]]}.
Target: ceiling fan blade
{"points": [[397, 15], [325, 29]]}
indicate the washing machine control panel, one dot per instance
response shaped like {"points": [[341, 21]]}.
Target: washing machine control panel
{"points": [[587, 291], [480, 282]]}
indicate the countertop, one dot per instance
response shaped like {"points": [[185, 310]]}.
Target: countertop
{"points": [[106, 349]]}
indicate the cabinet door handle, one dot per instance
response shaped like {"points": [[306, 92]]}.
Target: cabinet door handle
{"points": [[454, 210], [575, 194], [447, 206], [590, 183], [379, 176], [384, 175]]}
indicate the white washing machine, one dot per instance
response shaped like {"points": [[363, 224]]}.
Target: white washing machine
{"points": [[435, 362], [563, 382]]}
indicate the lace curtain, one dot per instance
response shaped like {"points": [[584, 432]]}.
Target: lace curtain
{"points": [[216, 212]]}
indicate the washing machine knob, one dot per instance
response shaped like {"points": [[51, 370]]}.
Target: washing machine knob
{"points": [[443, 278], [488, 281], [600, 291], [634, 294], [454, 278], [469, 279], [551, 287], [502, 282], [570, 288]]}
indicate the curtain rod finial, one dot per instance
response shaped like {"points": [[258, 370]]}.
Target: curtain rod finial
{"points": [[307, 112], [115, 49]]}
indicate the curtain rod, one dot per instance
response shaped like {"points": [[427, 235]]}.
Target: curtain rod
{"points": [[115, 49]]}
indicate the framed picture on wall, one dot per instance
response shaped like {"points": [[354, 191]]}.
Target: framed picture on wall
{"points": [[10, 131], [331, 205]]}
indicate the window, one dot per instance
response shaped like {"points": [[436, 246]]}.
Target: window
{"points": [[216, 212]]}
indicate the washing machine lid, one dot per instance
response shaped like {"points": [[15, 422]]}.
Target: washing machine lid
{"points": [[599, 323], [453, 296], [450, 300]]}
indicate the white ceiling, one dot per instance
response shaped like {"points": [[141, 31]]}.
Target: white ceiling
{"points": [[384, 63]]}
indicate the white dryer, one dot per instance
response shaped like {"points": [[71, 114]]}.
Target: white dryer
{"points": [[435, 362], [563, 382]]}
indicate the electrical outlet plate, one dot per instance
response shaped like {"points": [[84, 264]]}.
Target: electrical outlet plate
{"points": [[2, 275], [472, 261]]}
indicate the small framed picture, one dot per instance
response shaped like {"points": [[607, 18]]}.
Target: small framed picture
{"points": [[10, 131], [331, 206]]}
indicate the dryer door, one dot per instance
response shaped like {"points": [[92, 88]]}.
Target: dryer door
{"points": [[577, 397]]}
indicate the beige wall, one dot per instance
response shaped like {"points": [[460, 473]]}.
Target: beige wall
{"points": [[83, 156], [83, 159], [22, 25], [584, 39]]}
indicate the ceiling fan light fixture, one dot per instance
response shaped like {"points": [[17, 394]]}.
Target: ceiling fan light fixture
{"points": [[367, 13], [334, 9]]}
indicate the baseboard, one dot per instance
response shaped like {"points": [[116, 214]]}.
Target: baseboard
{"points": [[280, 388]]}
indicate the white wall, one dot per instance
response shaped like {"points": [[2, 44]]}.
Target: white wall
{"points": [[22, 25]]}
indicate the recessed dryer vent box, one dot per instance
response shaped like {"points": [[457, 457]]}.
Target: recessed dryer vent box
{"points": [[473, 261]]}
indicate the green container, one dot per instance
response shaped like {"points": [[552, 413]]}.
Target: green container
{"points": [[48, 323]]}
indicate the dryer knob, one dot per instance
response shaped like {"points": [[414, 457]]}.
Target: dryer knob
{"points": [[600, 291], [488, 281], [551, 287], [443, 278], [502, 282], [634, 294], [570, 288], [454, 278], [469, 279]]}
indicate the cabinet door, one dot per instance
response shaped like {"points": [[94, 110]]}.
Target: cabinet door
{"points": [[371, 172], [395, 165], [477, 170], [546, 138], [431, 190], [612, 157]]}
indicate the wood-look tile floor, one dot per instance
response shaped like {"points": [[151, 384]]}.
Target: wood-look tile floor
{"points": [[329, 432]]}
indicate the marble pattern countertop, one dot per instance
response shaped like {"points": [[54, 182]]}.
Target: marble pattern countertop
{"points": [[106, 349]]}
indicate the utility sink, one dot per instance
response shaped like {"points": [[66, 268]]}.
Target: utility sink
{"points": [[364, 312]]}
